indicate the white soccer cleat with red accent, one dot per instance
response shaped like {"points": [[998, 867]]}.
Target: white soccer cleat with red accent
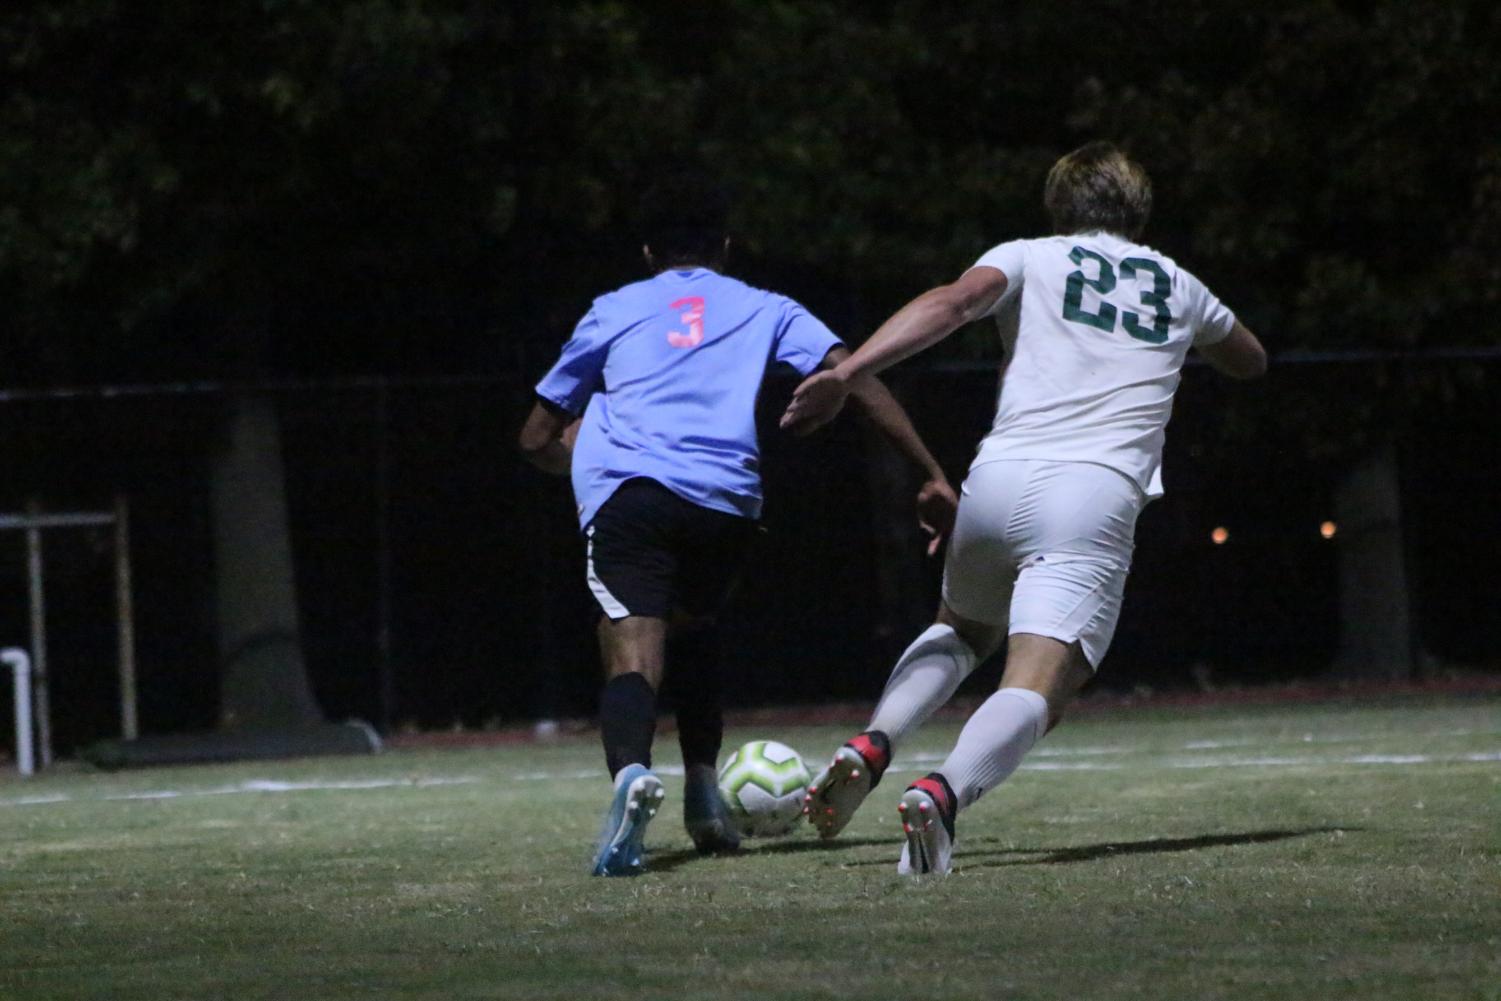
{"points": [[837, 792], [927, 819]]}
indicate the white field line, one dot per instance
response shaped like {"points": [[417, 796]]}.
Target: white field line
{"points": [[909, 763], [1351, 759], [37, 800], [916, 762], [240, 788], [1074, 752], [1309, 738]]}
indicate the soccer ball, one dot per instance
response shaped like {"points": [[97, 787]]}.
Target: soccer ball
{"points": [[763, 785]]}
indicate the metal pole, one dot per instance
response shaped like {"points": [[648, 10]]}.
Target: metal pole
{"points": [[125, 620], [21, 667], [384, 666], [39, 645]]}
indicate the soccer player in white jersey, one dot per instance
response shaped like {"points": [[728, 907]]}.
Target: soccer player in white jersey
{"points": [[1096, 327]]}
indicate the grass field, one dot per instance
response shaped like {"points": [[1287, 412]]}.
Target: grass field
{"points": [[1303, 852]]}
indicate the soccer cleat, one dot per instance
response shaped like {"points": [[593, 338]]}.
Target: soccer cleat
{"points": [[705, 815], [927, 811], [638, 795], [837, 792]]}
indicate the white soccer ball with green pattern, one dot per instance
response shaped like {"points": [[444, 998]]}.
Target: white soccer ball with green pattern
{"points": [[763, 784]]}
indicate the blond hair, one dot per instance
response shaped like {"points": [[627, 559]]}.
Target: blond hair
{"points": [[1098, 187]]}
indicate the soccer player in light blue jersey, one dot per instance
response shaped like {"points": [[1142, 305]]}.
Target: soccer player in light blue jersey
{"points": [[652, 409]]}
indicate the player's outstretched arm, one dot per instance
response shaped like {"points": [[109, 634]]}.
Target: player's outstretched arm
{"points": [[918, 325], [1240, 356], [936, 501], [546, 439]]}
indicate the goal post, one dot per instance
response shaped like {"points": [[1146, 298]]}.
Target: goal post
{"points": [[20, 665], [33, 523]]}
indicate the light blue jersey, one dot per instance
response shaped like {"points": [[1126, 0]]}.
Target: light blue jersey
{"points": [[666, 373]]}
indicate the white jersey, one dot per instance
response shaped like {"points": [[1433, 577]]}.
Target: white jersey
{"points": [[1096, 329]]}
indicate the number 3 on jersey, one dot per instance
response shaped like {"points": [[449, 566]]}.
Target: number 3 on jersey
{"points": [[1103, 283], [694, 317]]}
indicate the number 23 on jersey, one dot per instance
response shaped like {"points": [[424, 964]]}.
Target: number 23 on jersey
{"points": [[1103, 283]]}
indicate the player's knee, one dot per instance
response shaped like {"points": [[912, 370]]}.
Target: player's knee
{"points": [[1052, 668], [627, 650], [645, 659], [620, 668], [982, 638]]}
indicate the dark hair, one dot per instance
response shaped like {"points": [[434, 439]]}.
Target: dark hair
{"points": [[1098, 187], [684, 219]]}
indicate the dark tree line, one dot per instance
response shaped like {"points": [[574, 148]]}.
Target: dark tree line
{"points": [[404, 176]]}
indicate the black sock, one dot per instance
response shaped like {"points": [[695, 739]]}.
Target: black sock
{"points": [[627, 721], [693, 662], [948, 804]]}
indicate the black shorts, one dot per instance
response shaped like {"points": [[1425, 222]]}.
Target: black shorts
{"points": [[652, 553]]}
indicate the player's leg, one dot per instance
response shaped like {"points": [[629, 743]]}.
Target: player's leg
{"points": [[714, 549], [1077, 532], [924, 678], [978, 575], [630, 574], [695, 681], [931, 669], [1042, 676], [634, 653], [633, 650]]}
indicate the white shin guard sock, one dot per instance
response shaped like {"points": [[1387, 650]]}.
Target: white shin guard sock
{"points": [[994, 741], [924, 678]]}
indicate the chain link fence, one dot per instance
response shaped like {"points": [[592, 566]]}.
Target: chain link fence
{"points": [[440, 580]]}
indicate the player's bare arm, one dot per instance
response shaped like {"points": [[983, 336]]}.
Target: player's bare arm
{"points": [[1240, 356], [546, 439], [915, 327], [936, 500]]}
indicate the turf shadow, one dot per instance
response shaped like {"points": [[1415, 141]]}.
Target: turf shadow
{"points": [[973, 858], [668, 861], [1115, 849]]}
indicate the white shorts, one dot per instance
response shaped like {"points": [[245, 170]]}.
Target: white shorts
{"points": [[1044, 548]]}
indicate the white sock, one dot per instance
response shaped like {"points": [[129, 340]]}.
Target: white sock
{"points": [[924, 678], [994, 741]]}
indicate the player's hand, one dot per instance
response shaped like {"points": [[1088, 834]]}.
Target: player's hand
{"points": [[816, 402], [937, 505]]}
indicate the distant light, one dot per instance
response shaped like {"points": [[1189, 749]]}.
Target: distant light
{"points": [[1327, 529], [1220, 535]]}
